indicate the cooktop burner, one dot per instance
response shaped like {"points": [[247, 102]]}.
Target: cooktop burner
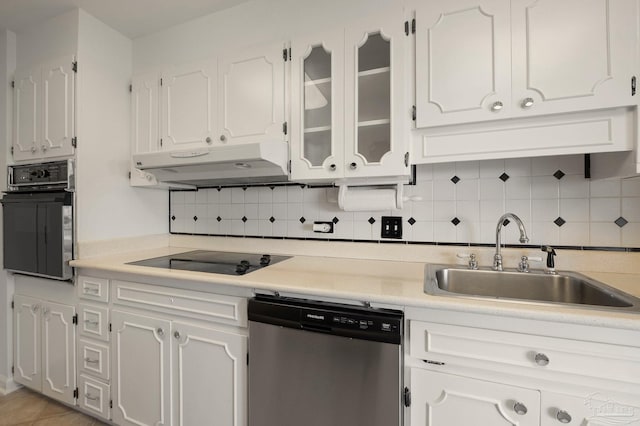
{"points": [[217, 262]]}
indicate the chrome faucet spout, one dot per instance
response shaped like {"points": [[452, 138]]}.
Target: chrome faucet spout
{"points": [[497, 258]]}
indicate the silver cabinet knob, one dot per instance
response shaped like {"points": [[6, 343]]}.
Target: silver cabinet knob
{"points": [[35, 308], [353, 166], [33, 149], [176, 334], [520, 408], [332, 167], [208, 139], [223, 138], [497, 106], [563, 416], [44, 148], [541, 359], [160, 332], [527, 103]]}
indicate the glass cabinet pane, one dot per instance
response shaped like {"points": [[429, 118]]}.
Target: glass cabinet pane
{"points": [[317, 106], [374, 98]]}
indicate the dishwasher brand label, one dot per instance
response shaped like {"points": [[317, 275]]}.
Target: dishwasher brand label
{"points": [[315, 317]]}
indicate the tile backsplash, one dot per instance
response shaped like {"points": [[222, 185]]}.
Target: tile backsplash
{"points": [[451, 203]]}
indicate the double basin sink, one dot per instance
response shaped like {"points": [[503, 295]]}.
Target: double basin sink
{"points": [[564, 288]]}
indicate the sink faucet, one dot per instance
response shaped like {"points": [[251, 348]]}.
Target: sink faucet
{"points": [[497, 258]]}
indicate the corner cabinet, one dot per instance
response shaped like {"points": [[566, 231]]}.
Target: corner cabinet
{"points": [[480, 60], [347, 102], [44, 347], [44, 111]]}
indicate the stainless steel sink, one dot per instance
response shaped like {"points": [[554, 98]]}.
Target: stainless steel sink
{"points": [[564, 288]]}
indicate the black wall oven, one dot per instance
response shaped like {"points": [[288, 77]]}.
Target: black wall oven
{"points": [[38, 220]]}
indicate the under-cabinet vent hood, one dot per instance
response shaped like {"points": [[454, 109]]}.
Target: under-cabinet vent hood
{"points": [[259, 162]]}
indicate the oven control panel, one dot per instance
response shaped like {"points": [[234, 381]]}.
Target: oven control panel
{"points": [[41, 176]]}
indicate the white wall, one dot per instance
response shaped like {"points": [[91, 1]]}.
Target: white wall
{"points": [[107, 207], [254, 22], [7, 66]]}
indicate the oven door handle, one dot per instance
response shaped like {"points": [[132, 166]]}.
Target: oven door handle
{"points": [[32, 198]]}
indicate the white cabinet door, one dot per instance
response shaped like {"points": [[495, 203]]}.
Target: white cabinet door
{"points": [[317, 112], [444, 400], [145, 91], [251, 95], [374, 97], [188, 107], [462, 61], [572, 55], [58, 99], [209, 376], [27, 341], [58, 352], [142, 383], [27, 121]]}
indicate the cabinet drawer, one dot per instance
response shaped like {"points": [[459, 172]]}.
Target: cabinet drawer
{"points": [[93, 322], [93, 359], [94, 396], [91, 288], [206, 306], [442, 342]]}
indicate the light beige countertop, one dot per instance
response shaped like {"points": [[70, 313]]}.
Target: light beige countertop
{"points": [[387, 282]]}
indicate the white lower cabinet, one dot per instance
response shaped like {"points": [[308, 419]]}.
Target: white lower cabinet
{"points": [[440, 399], [94, 396], [44, 347], [171, 372]]}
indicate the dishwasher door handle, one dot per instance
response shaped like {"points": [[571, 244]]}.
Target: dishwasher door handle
{"points": [[316, 328]]}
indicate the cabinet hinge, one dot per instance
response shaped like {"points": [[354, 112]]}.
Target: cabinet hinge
{"points": [[11, 150], [247, 358], [406, 159], [160, 141], [74, 141], [406, 397], [406, 27], [160, 82], [74, 66], [633, 85], [75, 393], [289, 166], [109, 327], [111, 403], [286, 54], [13, 305], [75, 319], [284, 127], [131, 88], [129, 175], [413, 113], [13, 370], [413, 26], [13, 84]]}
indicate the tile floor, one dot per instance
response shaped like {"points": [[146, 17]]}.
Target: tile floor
{"points": [[24, 407]]}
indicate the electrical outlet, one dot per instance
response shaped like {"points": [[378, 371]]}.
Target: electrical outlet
{"points": [[391, 227]]}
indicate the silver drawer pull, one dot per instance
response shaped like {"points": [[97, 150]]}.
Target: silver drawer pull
{"points": [[563, 416], [541, 359], [92, 398], [91, 360], [91, 290], [520, 408], [91, 322]]}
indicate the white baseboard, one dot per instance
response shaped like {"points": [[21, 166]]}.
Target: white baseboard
{"points": [[7, 385]]}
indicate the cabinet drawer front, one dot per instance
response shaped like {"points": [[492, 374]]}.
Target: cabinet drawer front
{"points": [[91, 288], [94, 396], [93, 322], [441, 342], [93, 359], [210, 307]]}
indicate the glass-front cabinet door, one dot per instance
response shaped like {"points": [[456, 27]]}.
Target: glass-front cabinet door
{"points": [[374, 104], [317, 138]]}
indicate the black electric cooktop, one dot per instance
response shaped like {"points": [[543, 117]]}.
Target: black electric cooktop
{"points": [[217, 262]]}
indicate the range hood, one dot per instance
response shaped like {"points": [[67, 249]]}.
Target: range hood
{"points": [[260, 162]]}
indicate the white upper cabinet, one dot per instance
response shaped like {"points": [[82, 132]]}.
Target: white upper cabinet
{"points": [[572, 55], [480, 60], [462, 60], [317, 119], [251, 95], [145, 91], [43, 111], [188, 106], [347, 102]]}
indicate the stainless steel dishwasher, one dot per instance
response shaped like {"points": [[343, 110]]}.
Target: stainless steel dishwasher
{"points": [[323, 364]]}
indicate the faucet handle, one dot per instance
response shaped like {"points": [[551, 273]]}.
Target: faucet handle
{"points": [[473, 260]]}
